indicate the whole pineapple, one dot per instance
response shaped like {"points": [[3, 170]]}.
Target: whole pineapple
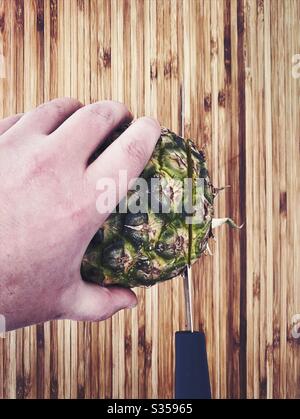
{"points": [[148, 246]]}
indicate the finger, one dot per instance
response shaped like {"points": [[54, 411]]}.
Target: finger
{"points": [[89, 126], [47, 117], [7, 123], [93, 302], [121, 162]]}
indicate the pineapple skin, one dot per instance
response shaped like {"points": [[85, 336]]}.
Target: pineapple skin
{"points": [[142, 249]]}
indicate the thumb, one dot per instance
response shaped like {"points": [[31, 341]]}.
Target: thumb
{"points": [[93, 302]]}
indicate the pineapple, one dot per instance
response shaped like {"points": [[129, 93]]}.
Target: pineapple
{"points": [[154, 243]]}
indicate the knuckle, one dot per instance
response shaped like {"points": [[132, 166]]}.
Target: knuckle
{"points": [[41, 109], [62, 105], [104, 111], [40, 164], [135, 150], [151, 123], [65, 101], [59, 107]]}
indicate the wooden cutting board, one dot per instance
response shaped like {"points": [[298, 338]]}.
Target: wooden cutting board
{"points": [[218, 71]]}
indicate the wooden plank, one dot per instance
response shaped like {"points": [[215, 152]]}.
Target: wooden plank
{"points": [[207, 303], [269, 211], [293, 347], [233, 172]]}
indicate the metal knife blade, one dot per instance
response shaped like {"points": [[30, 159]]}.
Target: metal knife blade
{"points": [[187, 283]]}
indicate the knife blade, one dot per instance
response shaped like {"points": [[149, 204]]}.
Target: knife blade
{"points": [[187, 283]]}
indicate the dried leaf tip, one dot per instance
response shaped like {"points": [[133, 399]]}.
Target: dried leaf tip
{"points": [[221, 188], [217, 222]]}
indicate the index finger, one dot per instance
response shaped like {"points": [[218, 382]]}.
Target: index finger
{"points": [[127, 155]]}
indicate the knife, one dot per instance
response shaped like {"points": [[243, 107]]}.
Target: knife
{"points": [[191, 367]]}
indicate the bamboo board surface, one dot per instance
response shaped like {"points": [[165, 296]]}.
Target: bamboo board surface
{"points": [[218, 71]]}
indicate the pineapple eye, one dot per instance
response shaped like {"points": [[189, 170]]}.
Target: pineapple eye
{"points": [[112, 256], [136, 219]]}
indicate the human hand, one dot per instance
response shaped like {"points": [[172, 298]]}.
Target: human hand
{"points": [[48, 206]]}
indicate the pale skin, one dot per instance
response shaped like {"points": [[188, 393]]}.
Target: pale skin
{"points": [[48, 209]]}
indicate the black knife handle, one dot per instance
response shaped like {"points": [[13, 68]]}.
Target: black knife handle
{"points": [[191, 368]]}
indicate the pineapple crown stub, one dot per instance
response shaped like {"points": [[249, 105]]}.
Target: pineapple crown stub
{"points": [[155, 242]]}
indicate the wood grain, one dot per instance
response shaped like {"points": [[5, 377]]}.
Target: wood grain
{"points": [[219, 71]]}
